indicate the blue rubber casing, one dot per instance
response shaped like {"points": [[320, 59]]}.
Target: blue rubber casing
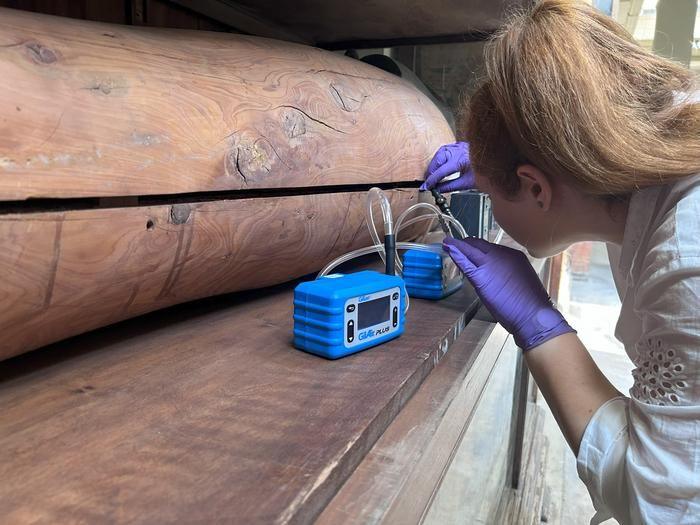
{"points": [[430, 274], [338, 315]]}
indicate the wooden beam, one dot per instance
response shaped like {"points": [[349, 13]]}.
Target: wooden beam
{"points": [[67, 272], [95, 110], [518, 417], [137, 11], [241, 19], [163, 13], [340, 22], [524, 504]]}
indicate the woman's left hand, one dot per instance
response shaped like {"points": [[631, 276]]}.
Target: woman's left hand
{"points": [[509, 287]]}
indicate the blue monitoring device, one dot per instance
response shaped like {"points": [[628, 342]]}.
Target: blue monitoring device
{"points": [[338, 314], [430, 274]]}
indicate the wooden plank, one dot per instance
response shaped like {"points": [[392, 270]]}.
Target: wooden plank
{"points": [[518, 416], [203, 414], [68, 272], [396, 481], [99, 110], [242, 19], [524, 505], [472, 488], [137, 12], [329, 21], [162, 13]]}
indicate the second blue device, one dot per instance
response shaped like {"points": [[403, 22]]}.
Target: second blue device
{"points": [[430, 273], [338, 314]]}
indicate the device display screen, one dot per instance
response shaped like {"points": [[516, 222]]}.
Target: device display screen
{"points": [[373, 312]]}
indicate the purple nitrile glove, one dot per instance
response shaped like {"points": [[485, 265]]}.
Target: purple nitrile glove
{"points": [[508, 286], [449, 159]]}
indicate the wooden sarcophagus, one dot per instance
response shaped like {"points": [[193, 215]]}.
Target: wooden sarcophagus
{"points": [[141, 167]]}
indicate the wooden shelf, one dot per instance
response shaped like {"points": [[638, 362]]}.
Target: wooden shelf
{"points": [[205, 412], [398, 478]]}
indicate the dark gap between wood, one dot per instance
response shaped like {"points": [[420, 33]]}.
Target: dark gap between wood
{"points": [[42, 205], [460, 38]]}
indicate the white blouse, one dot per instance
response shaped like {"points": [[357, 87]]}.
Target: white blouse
{"points": [[640, 456]]}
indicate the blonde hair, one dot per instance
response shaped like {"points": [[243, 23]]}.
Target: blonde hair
{"points": [[567, 89]]}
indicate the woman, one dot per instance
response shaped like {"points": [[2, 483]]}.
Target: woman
{"points": [[578, 134]]}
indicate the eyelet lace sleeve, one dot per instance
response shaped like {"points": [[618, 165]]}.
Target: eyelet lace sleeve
{"points": [[640, 459], [660, 376]]}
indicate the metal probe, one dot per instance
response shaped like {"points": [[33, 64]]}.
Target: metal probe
{"points": [[441, 202]]}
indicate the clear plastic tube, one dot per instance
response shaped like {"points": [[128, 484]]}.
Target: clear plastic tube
{"points": [[378, 246], [420, 205], [458, 226], [365, 251], [437, 215], [433, 212], [453, 222], [378, 194], [414, 220]]}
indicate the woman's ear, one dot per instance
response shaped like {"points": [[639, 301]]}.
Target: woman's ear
{"points": [[535, 186]]}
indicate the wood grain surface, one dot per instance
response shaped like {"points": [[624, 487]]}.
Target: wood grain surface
{"points": [[68, 272], [328, 21], [397, 479], [473, 486], [203, 413], [92, 109]]}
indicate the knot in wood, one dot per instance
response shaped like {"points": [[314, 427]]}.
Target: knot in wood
{"points": [[293, 124], [41, 54], [179, 213]]}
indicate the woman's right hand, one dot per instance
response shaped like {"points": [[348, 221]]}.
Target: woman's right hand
{"points": [[450, 159]]}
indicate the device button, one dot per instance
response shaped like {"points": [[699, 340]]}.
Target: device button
{"points": [[395, 297], [350, 308], [395, 317], [351, 331]]}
